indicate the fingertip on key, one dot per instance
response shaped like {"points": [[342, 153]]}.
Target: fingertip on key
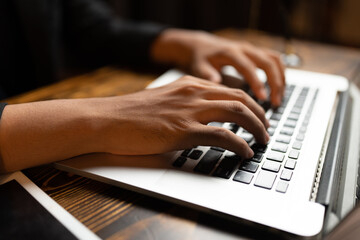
{"points": [[249, 154]]}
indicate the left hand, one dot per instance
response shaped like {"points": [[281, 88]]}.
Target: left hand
{"points": [[204, 54]]}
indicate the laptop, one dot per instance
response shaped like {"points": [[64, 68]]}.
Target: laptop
{"points": [[301, 184]]}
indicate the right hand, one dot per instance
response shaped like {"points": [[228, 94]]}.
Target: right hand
{"points": [[204, 54], [175, 117]]}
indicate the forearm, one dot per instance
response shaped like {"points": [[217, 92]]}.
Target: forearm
{"points": [[42, 132], [95, 35]]}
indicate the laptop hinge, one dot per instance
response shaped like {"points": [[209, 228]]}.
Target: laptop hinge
{"points": [[335, 154]]}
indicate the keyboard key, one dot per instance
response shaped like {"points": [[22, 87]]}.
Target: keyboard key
{"points": [[299, 104], [243, 177], [279, 110], [300, 137], [249, 166], [282, 186], [294, 116], [259, 147], [284, 102], [215, 124], [287, 131], [257, 157], [304, 91], [218, 149], [306, 122], [229, 154], [233, 127], [226, 167], [300, 100], [275, 156], [195, 154], [273, 123], [248, 137], [271, 131], [294, 154], [265, 179], [302, 129], [296, 110], [283, 139], [290, 123], [290, 164], [271, 166], [186, 152], [280, 147], [290, 88], [276, 116], [179, 162], [286, 175], [297, 145], [208, 162], [266, 105]]}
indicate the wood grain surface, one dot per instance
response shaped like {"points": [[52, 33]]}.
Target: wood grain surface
{"points": [[114, 213]]}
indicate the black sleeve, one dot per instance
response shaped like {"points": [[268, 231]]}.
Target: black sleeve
{"points": [[2, 106], [91, 30]]}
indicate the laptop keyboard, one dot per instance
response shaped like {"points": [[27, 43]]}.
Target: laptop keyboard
{"points": [[273, 165]]}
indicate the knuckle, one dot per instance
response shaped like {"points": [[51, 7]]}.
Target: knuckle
{"points": [[227, 51], [246, 45], [221, 133], [190, 88], [241, 94], [187, 78], [274, 54], [235, 106], [268, 64], [245, 98]]}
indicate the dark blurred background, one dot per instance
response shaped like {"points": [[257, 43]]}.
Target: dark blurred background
{"points": [[330, 21]]}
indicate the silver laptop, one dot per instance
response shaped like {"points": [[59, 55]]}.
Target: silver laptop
{"points": [[302, 183]]}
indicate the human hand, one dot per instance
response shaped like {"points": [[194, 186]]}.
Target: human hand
{"points": [[152, 121], [204, 55], [174, 117]]}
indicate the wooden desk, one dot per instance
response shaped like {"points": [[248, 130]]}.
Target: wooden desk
{"points": [[115, 213]]}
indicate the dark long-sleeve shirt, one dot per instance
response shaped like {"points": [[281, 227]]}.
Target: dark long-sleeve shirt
{"points": [[38, 37]]}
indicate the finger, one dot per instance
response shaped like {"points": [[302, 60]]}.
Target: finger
{"points": [[265, 62], [248, 70], [233, 111], [205, 70], [221, 137], [225, 93], [276, 57]]}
